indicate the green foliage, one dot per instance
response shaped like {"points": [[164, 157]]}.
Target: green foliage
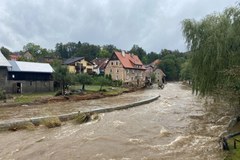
{"points": [[150, 57], [102, 81], [138, 51], [186, 70], [214, 42], [6, 52], [62, 76], [2, 95], [84, 79], [171, 62]]}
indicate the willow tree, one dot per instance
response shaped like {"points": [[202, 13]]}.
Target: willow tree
{"points": [[215, 45]]}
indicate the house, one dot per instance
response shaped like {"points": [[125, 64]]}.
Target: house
{"points": [[4, 64], [15, 56], [99, 65], [28, 56], [27, 77], [149, 71], [79, 65], [126, 67], [160, 75]]}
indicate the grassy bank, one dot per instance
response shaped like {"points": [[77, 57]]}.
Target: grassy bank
{"points": [[233, 154], [33, 97]]}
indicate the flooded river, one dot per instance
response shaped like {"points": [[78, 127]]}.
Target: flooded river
{"points": [[176, 126]]}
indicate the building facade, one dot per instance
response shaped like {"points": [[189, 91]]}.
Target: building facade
{"points": [[126, 67], [79, 65]]}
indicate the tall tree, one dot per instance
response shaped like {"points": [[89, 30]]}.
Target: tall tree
{"points": [[215, 45], [6, 52], [138, 51], [32, 48], [62, 76], [84, 79]]}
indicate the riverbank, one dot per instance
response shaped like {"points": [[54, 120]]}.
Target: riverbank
{"points": [[44, 98]]}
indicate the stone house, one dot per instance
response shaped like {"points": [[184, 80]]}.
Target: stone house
{"points": [[160, 75], [126, 67], [79, 65]]}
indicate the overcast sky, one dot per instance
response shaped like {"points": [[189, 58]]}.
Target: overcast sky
{"points": [[151, 24]]}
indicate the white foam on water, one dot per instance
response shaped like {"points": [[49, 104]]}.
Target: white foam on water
{"points": [[136, 141], [164, 132], [118, 123]]}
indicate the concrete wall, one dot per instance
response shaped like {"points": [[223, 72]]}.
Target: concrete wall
{"points": [[30, 86]]}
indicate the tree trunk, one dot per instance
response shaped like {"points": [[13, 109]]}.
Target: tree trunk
{"points": [[83, 87]]}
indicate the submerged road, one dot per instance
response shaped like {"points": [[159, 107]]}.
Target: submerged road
{"points": [[178, 125]]}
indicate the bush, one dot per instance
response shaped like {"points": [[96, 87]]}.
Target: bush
{"points": [[51, 122], [28, 125], [2, 95], [82, 118]]}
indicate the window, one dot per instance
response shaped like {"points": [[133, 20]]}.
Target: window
{"points": [[117, 70], [117, 63], [110, 70], [112, 63]]}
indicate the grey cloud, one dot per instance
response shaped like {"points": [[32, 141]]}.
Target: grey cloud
{"points": [[152, 24]]}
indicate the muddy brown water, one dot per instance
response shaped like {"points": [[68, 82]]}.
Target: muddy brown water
{"points": [[176, 126]]}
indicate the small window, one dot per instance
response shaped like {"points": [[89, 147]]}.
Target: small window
{"points": [[112, 63], [117, 70], [110, 70], [117, 63]]}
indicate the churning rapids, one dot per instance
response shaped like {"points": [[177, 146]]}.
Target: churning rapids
{"points": [[178, 126]]}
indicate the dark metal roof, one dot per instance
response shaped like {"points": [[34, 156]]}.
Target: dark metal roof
{"points": [[72, 60]]}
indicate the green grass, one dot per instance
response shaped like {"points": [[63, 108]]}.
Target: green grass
{"points": [[31, 97], [233, 154], [96, 88]]}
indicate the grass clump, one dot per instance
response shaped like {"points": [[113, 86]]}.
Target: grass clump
{"points": [[27, 125], [82, 118], [233, 154], [86, 117], [51, 122]]}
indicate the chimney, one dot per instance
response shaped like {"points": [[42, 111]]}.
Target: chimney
{"points": [[123, 53]]}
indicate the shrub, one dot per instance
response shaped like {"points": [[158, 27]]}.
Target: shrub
{"points": [[2, 95], [27, 125], [51, 122], [82, 118]]}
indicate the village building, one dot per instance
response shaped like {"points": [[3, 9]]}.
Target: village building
{"points": [[99, 65], [4, 64], [25, 77], [126, 67], [79, 65], [159, 76]]}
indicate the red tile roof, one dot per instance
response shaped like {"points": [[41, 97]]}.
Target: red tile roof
{"points": [[130, 60]]}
